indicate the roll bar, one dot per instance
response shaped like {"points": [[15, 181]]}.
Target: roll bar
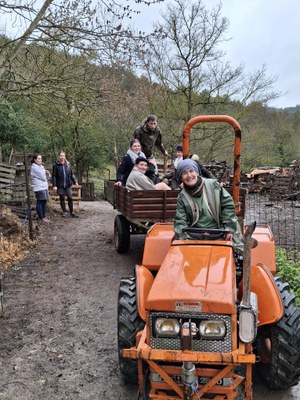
{"points": [[237, 146]]}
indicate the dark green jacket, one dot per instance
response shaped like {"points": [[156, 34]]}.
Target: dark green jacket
{"points": [[221, 211], [149, 139]]}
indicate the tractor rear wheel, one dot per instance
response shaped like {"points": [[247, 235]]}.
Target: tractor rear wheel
{"points": [[121, 234], [129, 324], [278, 345]]}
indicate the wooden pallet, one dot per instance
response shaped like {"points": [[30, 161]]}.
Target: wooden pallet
{"points": [[7, 178], [76, 195], [20, 193]]}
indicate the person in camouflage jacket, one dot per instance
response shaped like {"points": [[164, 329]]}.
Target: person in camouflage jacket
{"points": [[149, 135]]}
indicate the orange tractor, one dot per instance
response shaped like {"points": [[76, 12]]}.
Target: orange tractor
{"points": [[195, 317]]}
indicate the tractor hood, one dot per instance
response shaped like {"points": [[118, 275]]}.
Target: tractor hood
{"points": [[195, 276]]}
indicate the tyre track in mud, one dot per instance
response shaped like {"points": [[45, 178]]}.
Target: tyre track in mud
{"points": [[58, 333]]}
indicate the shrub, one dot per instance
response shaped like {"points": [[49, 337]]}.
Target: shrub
{"points": [[290, 271]]}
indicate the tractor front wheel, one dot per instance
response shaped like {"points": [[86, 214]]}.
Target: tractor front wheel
{"points": [[129, 324], [278, 345]]}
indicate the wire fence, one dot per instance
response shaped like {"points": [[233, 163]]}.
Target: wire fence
{"points": [[283, 217]]}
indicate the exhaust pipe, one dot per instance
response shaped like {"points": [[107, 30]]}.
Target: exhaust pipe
{"points": [[248, 306]]}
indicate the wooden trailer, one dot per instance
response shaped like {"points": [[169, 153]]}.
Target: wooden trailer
{"points": [[139, 210]]}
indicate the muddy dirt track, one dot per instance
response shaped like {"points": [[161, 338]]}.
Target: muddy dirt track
{"points": [[58, 336]]}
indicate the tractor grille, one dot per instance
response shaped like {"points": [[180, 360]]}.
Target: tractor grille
{"points": [[204, 345]]}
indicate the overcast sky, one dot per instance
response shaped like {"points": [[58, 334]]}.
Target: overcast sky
{"points": [[263, 32]]}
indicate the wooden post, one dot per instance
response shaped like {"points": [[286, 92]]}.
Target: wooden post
{"points": [[28, 196], [11, 156], [1, 294], [165, 163]]}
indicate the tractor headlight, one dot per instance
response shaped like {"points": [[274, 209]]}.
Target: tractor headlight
{"points": [[167, 327], [247, 331], [248, 320], [212, 329]]}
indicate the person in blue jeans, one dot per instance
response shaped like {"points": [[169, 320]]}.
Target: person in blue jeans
{"points": [[62, 180], [39, 181]]}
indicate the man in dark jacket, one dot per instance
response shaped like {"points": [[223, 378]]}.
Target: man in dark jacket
{"points": [[62, 180], [149, 135]]}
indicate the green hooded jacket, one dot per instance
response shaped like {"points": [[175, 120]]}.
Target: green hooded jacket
{"points": [[213, 209]]}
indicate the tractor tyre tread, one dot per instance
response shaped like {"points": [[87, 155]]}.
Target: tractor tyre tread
{"points": [[129, 324], [283, 370]]}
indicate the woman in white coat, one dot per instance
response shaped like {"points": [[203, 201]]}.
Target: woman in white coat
{"points": [[39, 182]]}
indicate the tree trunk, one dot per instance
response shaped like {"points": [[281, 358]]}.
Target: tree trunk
{"points": [[12, 53]]}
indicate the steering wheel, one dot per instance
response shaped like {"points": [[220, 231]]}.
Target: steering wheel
{"points": [[206, 233]]}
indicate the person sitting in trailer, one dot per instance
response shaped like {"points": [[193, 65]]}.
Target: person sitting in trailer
{"points": [[137, 180], [128, 161]]}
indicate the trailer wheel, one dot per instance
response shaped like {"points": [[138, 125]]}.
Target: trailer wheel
{"points": [[129, 324], [278, 345], [121, 234]]}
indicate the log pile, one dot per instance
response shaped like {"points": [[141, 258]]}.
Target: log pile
{"points": [[220, 170], [284, 187], [260, 180], [278, 183]]}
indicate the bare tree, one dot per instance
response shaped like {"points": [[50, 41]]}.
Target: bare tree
{"points": [[54, 62], [189, 62], [98, 30], [15, 46]]}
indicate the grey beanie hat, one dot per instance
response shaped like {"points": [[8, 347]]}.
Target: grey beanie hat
{"points": [[186, 164]]}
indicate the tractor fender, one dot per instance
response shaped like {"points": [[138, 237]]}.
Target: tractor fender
{"points": [[264, 252], [270, 305], [144, 280]]}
